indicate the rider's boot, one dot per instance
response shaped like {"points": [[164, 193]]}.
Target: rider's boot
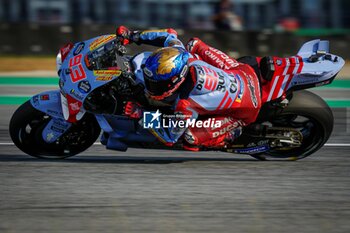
{"points": [[233, 135]]}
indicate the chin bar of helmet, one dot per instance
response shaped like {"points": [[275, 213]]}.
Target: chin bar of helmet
{"points": [[155, 87]]}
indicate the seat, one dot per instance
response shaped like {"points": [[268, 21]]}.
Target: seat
{"points": [[264, 70]]}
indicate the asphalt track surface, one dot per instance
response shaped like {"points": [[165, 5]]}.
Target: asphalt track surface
{"points": [[171, 191]]}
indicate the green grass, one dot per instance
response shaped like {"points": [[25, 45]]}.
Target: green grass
{"points": [[13, 100], [322, 31]]}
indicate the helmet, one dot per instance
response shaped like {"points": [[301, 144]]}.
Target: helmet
{"points": [[164, 71]]}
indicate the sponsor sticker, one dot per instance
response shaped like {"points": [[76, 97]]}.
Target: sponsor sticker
{"points": [[56, 129], [100, 41], [241, 89], [147, 72], [252, 93], [233, 86], [84, 86], [104, 78], [44, 97], [107, 72], [53, 112], [106, 75], [65, 50], [253, 150], [79, 48], [77, 95], [74, 106]]}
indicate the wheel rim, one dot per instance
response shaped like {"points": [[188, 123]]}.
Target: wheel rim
{"points": [[313, 136]]}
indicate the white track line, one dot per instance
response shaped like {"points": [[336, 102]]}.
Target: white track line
{"points": [[337, 144], [99, 144]]}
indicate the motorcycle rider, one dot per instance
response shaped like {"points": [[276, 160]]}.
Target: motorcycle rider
{"points": [[197, 81]]}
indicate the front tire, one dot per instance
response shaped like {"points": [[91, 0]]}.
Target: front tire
{"points": [[27, 124]]}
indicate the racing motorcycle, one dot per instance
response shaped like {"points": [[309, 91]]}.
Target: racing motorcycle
{"points": [[96, 78]]}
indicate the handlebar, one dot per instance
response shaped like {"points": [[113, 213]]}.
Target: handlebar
{"points": [[120, 50]]}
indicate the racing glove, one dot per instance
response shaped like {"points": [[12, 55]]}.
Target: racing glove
{"points": [[133, 110], [124, 35]]}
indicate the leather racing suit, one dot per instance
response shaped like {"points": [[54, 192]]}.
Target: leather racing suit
{"points": [[216, 87]]}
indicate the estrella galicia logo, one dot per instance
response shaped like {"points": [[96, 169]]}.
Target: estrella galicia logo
{"points": [[279, 62], [84, 86], [79, 48], [151, 120]]}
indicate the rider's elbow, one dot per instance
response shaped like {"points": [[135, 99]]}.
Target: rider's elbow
{"points": [[172, 31]]}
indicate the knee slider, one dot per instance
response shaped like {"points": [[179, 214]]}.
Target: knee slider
{"points": [[189, 137]]}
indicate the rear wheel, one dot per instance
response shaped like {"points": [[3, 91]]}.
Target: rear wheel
{"points": [[309, 114], [26, 127]]}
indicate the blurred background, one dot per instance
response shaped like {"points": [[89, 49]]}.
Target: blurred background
{"points": [[239, 27], [32, 31]]}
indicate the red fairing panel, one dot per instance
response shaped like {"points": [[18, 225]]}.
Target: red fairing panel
{"points": [[285, 69], [65, 50], [73, 108]]}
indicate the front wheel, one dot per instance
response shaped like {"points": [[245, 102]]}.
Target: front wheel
{"points": [[310, 115], [26, 127]]}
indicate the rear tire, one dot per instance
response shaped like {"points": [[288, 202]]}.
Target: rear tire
{"points": [[27, 124], [312, 116]]}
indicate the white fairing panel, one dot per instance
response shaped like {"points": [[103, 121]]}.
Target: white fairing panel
{"points": [[320, 70], [313, 47], [64, 105], [58, 61]]}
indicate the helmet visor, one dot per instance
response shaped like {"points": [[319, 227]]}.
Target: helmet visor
{"points": [[163, 88]]}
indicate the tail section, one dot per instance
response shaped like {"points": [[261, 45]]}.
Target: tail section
{"points": [[314, 47], [312, 66]]}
